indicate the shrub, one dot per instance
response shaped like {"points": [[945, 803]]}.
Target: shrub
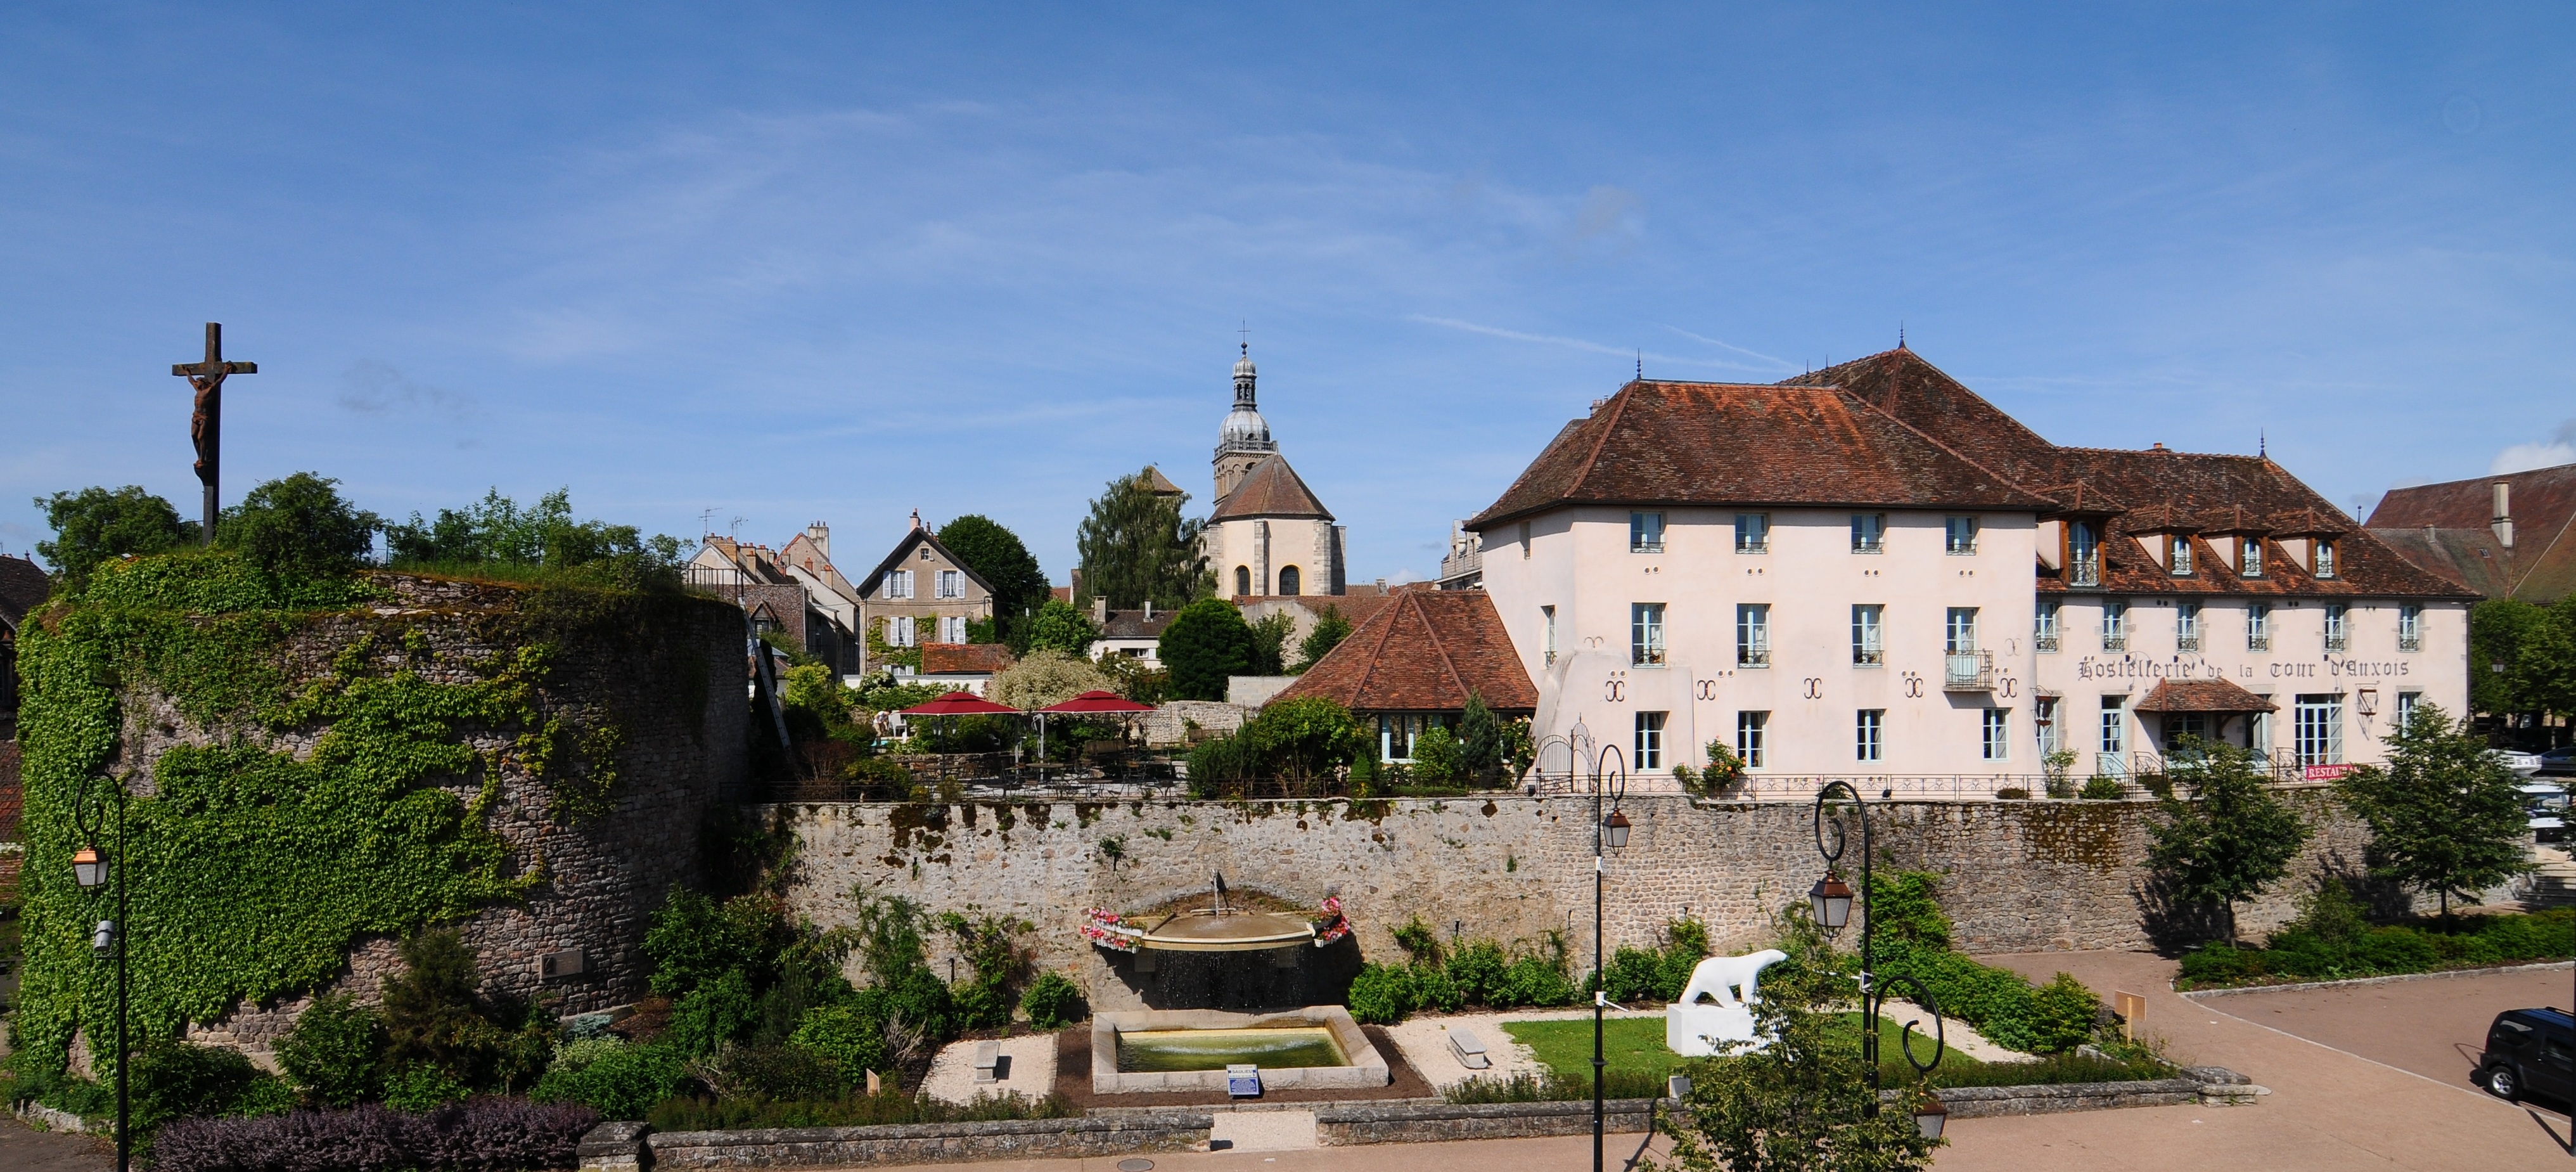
{"points": [[618, 1080], [1538, 980], [483, 1135], [1382, 994], [1437, 757], [849, 1035], [2013, 793], [175, 1080], [422, 1088], [1052, 1001], [778, 1072], [298, 528], [331, 1052], [1433, 989], [2103, 789], [1478, 972]]}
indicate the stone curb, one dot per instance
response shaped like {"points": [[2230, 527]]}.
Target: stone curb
{"points": [[52, 1119], [631, 1146], [2197, 994], [1352, 1124]]}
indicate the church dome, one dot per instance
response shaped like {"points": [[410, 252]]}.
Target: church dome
{"points": [[1243, 365], [1244, 427]]}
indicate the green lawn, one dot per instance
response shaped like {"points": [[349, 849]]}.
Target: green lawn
{"points": [[1634, 1046]]}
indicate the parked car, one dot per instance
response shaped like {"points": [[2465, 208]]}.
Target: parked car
{"points": [[2559, 762], [2547, 801], [2530, 1052], [2523, 764]]}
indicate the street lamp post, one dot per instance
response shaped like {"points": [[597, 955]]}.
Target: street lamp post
{"points": [[92, 870], [1830, 901], [1609, 833]]}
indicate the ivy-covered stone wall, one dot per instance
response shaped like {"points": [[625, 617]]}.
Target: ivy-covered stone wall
{"points": [[312, 773]]}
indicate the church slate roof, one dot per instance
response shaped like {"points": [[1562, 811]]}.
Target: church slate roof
{"points": [[1677, 443], [1424, 651], [1270, 489], [2444, 528]]}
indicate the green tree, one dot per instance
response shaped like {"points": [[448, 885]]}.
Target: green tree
{"points": [[298, 529], [1437, 758], [2232, 838], [1803, 1102], [1047, 676], [1270, 643], [2501, 680], [1480, 739], [498, 531], [97, 524], [2445, 816], [1303, 738], [332, 1050], [1059, 626], [1002, 560], [1206, 642], [1330, 629], [1136, 546]]}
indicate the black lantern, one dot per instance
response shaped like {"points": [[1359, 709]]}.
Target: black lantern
{"points": [[1931, 1116], [1615, 829], [89, 868], [1831, 901]]}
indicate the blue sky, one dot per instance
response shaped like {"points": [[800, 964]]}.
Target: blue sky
{"points": [[795, 263]]}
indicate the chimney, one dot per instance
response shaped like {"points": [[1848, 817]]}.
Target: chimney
{"points": [[1149, 610], [819, 535], [1100, 610], [916, 520], [2503, 522]]}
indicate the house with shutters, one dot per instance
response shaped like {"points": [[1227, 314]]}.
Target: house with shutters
{"points": [[921, 593], [1871, 571], [778, 596]]}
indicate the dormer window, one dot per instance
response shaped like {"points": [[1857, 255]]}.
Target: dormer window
{"points": [[2178, 554], [2083, 554], [2325, 559], [2249, 557]]}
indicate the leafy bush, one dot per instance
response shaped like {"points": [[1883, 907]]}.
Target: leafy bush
{"points": [[1437, 757], [298, 529], [175, 1080], [2103, 788], [1913, 939], [332, 1051], [888, 1106], [2323, 945], [1547, 1086], [1052, 1001], [1382, 994], [849, 1035], [482, 1135], [1434, 989], [617, 1079], [423, 1088]]}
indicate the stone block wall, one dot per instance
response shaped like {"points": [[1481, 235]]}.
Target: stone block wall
{"points": [[668, 673], [2021, 876]]}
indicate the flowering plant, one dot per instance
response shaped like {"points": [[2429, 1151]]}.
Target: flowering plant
{"points": [[1334, 925], [1107, 929]]}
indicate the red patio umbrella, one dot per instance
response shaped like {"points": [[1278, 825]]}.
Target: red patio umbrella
{"points": [[1098, 701], [961, 703]]}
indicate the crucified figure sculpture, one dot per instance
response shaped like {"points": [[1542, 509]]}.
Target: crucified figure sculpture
{"points": [[205, 426]]}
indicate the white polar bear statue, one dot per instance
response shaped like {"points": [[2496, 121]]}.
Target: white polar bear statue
{"points": [[1693, 1027]]}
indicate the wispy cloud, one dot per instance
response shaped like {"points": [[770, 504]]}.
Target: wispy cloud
{"points": [[2559, 448], [370, 387], [1585, 344], [1782, 363]]}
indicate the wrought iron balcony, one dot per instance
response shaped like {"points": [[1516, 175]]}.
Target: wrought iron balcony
{"points": [[1868, 657], [2047, 642], [2084, 571], [2258, 641], [2337, 643], [1753, 657], [2410, 642], [2115, 641], [2187, 643], [1968, 671]]}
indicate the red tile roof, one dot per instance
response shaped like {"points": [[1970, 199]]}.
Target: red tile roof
{"points": [[1270, 489], [2541, 566], [23, 587], [2203, 696], [1721, 443], [1423, 651], [1900, 383], [964, 658], [903, 550]]}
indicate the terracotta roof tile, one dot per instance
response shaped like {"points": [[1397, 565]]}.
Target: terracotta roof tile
{"points": [[1270, 489], [1724, 443], [1423, 651], [2203, 696], [2541, 566]]}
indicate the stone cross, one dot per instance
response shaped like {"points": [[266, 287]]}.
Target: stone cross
{"points": [[205, 428]]}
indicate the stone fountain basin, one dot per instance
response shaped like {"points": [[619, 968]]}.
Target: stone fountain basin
{"points": [[1367, 1067]]}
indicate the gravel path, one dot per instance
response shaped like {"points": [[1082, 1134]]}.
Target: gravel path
{"points": [[1030, 1059]]}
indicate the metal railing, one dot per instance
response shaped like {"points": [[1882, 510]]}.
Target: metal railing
{"points": [[2115, 641], [2186, 642], [2336, 643], [2410, 642], [2258, 641], [2084, 571], [2044, 642], [1968, 671]]}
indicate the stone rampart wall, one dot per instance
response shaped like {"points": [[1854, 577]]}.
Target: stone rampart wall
{"points": [[2022, 876]]}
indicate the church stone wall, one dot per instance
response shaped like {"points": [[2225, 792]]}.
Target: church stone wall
{"points": [[2021, 876]]}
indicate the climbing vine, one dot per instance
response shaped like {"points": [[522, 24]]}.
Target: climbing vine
{"points": [[297, 816]]}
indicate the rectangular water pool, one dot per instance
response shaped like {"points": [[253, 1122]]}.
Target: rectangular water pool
{"points": [[1270, 1049]]}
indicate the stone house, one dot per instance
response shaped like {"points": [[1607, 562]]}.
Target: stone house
{"points": [[1414, 662], [920, 594], [775, 597]]}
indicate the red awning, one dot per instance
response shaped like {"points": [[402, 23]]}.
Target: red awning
{"points": [[1098, 701], [961, 704]]}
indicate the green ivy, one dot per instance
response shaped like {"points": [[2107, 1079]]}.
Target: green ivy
{"points": [[254, 871]]}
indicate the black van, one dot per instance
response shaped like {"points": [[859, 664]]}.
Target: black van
{"points": [[2530, 1052]]}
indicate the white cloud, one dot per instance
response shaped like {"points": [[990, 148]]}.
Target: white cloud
{"points": [[370, 387], [2559, 448]]}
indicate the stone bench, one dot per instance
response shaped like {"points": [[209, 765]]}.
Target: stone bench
{"points": [[1469, 1049], [988, 1061]]}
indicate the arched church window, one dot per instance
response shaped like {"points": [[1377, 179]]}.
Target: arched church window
{"points": [[1242, 580], [1288, 579]]}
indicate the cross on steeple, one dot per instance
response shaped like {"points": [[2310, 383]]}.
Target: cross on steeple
{"points": [[205, 427]]}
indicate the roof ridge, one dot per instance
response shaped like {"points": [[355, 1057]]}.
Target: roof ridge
{"points": [[1377, 650], [1442, 646], [1618, 406], [1935, 441]]}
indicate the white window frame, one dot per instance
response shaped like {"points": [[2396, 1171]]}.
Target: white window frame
{"points": [[2113, 734], [2324, 556], [2115, 625], [2044, 625], [2410, 626], [1645, 532], [1753, 533], [903, 629], [2186, 626], [1994, 731], [2337, 630], [1959, 536], [1646, 634], [1959, 631], [898, 584], [1869, 635], [951, 583], [2083, 554], [1650, 741], [2258, 626], [1753, 634], [1751, 730], [2249, 557], [1869, 735], [2407, 703], [2044, 713], [2178, 555], [2316, 730], [1869, 533], [1547, 620]]}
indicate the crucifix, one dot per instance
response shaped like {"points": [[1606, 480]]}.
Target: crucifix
{"points": [[205, 428]]}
